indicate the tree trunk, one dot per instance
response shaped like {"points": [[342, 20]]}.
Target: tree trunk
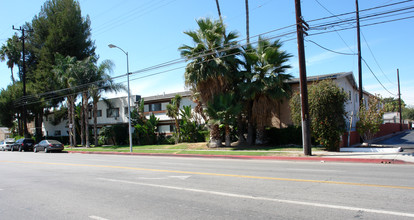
{"points": [[240, 128], [177, 130], [250, 127], [73, 121], [228, 139], [86, 117], [215, 139], [82, 122], [19, 125], [260, 134], [95, 121], [70, 120]]}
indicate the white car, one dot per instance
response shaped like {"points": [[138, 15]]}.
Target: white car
{"points": [[6, 145]]}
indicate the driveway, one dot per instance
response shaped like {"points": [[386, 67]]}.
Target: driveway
{"points": [[404, 140]]}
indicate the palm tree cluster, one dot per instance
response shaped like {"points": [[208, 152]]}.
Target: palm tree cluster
{"points": [[60, 64], [72, 73], [238, 85]]}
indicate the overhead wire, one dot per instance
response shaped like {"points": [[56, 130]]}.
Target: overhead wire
{"points": [[179, 60]]}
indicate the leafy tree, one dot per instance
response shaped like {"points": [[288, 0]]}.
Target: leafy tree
{"points": [[9, 111], [408, 113], [326, 110], [264, 68], [212, 60], [391, 104], [223, 110], [146, 131], [173, 111], [370, 119], [190, 129]]}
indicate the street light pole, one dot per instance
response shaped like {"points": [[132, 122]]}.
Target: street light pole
{"points": [[129, 97]]}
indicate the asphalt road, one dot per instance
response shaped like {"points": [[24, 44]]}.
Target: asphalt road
{"points": [[81, 186], [404, 140]]}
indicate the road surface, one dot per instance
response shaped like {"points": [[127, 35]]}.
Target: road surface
{"points": [[82, 186]]}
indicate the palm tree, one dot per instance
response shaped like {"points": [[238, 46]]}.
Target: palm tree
{"points": [[265, 67], [12, 51], [223, 109], [173, 111], [64, 69], [213, 60], [103, 83]]}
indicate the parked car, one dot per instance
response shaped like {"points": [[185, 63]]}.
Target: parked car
{"points": [[24, 144], [6, 145], [48, 146]]}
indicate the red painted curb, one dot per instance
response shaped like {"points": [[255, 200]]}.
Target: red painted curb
{"points": [[318, 159]]}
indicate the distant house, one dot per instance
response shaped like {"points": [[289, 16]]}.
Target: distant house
{"points": [[4, 133]]}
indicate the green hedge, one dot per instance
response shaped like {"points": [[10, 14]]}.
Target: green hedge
{"points": [[284, 136]]}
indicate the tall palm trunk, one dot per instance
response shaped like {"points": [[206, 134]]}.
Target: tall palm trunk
{"points": [[260, 134], [69, 103], [73, 122], [250, 126], [215, 137], [247, 22], [82, 122], [95, 121], [86, 118], [228, 138]]}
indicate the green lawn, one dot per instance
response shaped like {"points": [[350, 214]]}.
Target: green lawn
{"points": [[200, 148]]}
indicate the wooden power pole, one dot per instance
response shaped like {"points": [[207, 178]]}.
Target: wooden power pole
{"points": [[300, 30], [399, 99], [361, 96]]}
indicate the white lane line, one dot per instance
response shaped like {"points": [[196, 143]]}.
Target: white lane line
{"points": [[97, 217], [348, 208]]}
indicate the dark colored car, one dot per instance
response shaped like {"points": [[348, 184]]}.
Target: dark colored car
{"points": [[24, 144], [48, 146]]}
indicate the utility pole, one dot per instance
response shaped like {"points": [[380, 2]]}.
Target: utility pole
{"points": [[301, 26], [24, 115], [247, 22], [359, 56], [399, 99]]}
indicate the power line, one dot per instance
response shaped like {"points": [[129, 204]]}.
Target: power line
{"points": [[205, 54], [377, 78]]}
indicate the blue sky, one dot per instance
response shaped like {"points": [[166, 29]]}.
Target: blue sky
{"points": [[152, 30]]}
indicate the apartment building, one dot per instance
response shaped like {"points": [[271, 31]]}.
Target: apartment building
{"points": [[115, 111]]}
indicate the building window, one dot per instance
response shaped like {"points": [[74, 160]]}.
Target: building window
{"points": [[154, 107], [99, 113], [126, 110], [349, 95], [112, 112], [172, 128], [57, 133]]}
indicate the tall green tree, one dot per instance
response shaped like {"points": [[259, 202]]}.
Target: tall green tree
{"points": [[327, 112], [264, 68], [370, 118], [212, 60], [173, 111]]}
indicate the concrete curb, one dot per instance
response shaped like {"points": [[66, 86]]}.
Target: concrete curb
{"points": [[286, 158]]}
